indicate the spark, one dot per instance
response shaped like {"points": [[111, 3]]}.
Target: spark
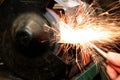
{"points": [[99, 50], [88, 33], [87, 29]]}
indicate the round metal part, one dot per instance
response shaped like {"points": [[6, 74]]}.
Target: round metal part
{"points": [[27, 45]]}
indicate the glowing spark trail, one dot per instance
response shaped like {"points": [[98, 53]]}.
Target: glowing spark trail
{"points": [[99, 50], [85, 26], [88, 33]]}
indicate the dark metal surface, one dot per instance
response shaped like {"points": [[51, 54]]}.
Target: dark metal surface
{"points": [[26, 48]]}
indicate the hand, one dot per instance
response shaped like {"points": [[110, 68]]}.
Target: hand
{"points": [[113, 65]]}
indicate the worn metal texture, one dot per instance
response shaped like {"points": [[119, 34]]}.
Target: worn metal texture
{"points": [[33, 60]]}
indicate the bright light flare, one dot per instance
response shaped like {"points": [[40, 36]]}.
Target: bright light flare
{"points": [[88, 33], [88, 29]]}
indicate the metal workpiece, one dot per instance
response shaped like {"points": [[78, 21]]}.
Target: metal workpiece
{"points": [[28, 48], [27, 25], [33, 32]]}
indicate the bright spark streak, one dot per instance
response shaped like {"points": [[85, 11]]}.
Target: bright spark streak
{"points": [[81, 28], [102, 53], [84, 29], [89, 33]]}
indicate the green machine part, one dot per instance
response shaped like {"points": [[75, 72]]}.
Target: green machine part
{"points": [[93, 73]]}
